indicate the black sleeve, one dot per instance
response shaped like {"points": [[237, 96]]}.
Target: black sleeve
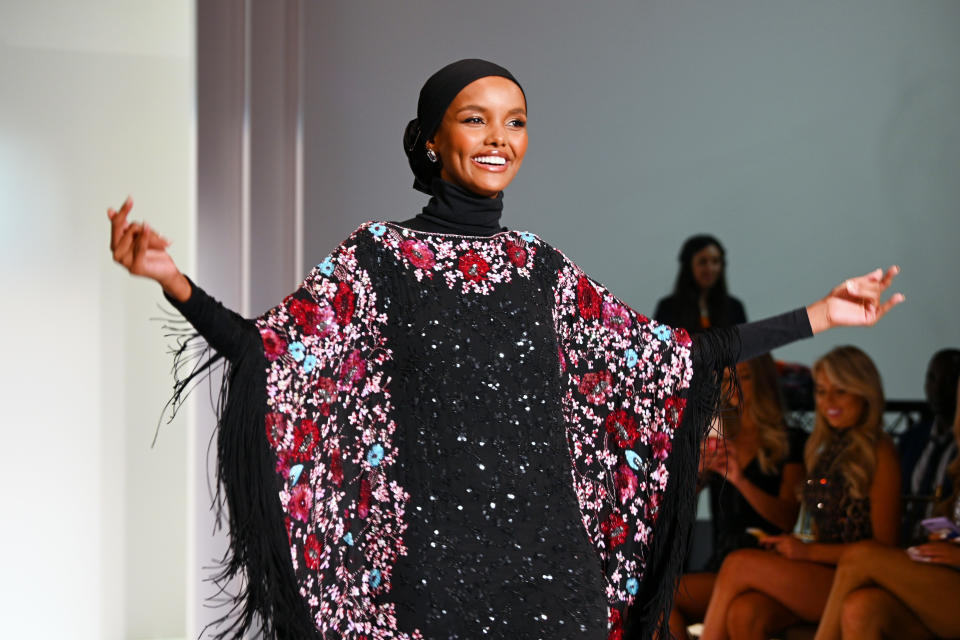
{"points": [[228, 333], [662, 313], [757, 338], [797, 439]]}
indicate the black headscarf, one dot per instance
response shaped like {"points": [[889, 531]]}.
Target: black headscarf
{"points": [[435, 96]]}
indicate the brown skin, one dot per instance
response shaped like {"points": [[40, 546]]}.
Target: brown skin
{"points": [[488, 118]]}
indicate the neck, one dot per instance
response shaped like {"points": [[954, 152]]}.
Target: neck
{"points": [[453, 209]]}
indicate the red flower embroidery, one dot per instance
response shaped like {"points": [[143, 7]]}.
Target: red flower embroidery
{"points": [[652, 507], [596, 386], [276, 428], [623, 426], [353, 368], [273, 345], [616, 317], [615, 529], [616, 625], [418, 253], [312, 319], [588, 300], [301, 499], [626, 481], [305, 438], [343, 303], [326, 391], [661, 444], [674, 409], [473, 267], [516, 253], [336, 467], [681, 337], [563, 360], [363, 506], [642, 319], [311, 553]]}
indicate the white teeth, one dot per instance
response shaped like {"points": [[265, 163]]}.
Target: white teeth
{"points": [[491, 160]]}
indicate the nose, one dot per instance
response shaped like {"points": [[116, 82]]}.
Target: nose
{"points": [[496, 135]]}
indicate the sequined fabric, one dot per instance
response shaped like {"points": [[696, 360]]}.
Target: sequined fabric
{"points": [[471, 437], [836, 515]]}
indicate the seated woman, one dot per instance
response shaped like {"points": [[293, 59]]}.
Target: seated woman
{"points": [[880, 592], [754, 475], [852, 491], [700, 299]]}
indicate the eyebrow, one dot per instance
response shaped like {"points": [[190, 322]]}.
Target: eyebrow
{"points": [[476, 107]]}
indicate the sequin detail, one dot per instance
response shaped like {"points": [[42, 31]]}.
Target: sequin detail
{"points": [[471, 438]]}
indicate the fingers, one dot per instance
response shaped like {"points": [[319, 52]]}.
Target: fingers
{"points": [[894, 300], [118, 221], [123, 251], [140, 245]]}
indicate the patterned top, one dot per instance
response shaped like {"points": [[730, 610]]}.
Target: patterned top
{"points": [[837, 516], [456, 436], [471, 437]]}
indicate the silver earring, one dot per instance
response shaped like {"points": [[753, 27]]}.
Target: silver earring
{"points": [[432, 156]]}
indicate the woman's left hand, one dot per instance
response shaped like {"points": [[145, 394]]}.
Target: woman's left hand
{"points": [[787, 545], [947, 553], [856, 302]]}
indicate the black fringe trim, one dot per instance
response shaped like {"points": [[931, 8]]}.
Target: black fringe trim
{"points": [[255, 578], [649, 617]]}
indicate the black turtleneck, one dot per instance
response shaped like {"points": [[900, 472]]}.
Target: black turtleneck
{"points": [[453, 209]]}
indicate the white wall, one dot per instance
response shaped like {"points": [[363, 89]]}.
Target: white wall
{"points": [[96, 101], [817, 139]]}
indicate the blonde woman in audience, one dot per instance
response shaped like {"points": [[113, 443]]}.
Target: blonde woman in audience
{"points": [[852, 492], [880, 592], [753, 475]]}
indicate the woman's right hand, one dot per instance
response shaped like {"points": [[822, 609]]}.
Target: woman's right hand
{"points": [[143, 252]]}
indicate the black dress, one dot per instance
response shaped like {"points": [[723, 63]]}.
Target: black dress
{"points": [[731, 514], [467, 437], [686, 314]]}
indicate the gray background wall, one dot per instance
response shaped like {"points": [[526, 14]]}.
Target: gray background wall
{"points": [[818, 140]]}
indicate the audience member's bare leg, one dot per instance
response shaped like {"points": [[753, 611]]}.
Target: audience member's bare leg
{"points": [[874, 614], [801, 587], [929, 591], [754, 616], [690, 602]]}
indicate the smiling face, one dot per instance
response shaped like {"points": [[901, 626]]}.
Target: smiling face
{"points": [[707, 265], [841, 408], [482, 138]]}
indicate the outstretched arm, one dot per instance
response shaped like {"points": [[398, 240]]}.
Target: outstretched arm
{"points": [[143, 252]]}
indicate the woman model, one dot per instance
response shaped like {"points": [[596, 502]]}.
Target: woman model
{"points": [[882, 592], [753, 474], [449, 431], [700, 299], [852, 492]]}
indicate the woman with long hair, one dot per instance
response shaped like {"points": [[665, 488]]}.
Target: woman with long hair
{"points": [[852, 492], [754, 474], [883, 592], [700, 299], [449, 430]]}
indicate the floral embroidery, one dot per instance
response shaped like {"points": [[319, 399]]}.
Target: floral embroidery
{"points": [[418, 253], [623, 427], [273, 345], [473, 267]]}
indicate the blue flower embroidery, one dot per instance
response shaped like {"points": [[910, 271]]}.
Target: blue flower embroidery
{"points": [[297, 350], [633, 459], [374, 579], [375, 455], [295, 472], [631, 357], [326, 267], [348, 539], [633, 585], [377, 229], [529, 237], [309, 363], [662, 332]]}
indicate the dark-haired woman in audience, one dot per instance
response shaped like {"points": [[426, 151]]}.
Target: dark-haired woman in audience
{"points": [[753, 474], [852, 492], [700, 299], [881, 592]]}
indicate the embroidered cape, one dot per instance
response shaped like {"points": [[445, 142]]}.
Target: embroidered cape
{"points": [[459, 435]]}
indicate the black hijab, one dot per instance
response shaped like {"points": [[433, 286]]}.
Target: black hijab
{"points": [[452, 209], [435, 96]]}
